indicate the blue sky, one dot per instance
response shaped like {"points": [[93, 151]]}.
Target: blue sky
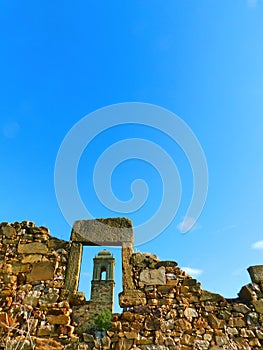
{"points": [[202, 60]]}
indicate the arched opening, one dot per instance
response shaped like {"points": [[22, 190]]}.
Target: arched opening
{"points": [[103, 274]]}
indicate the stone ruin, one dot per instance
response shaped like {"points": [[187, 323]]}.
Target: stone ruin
{"points": [[163, 307]]}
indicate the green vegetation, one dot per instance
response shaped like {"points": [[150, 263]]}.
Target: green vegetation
{"points": [[102, 322]]}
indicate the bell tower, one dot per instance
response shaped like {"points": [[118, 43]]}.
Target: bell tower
{"points": [[102, 284]]}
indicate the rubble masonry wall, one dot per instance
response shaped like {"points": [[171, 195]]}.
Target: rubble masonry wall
{"points": [[164, 308]]}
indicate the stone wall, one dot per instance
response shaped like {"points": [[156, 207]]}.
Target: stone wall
{"points": [[102, 293], [33, 304], [169, 310], [164, 308]]}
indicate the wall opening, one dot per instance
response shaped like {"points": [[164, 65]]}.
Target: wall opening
{"points": [[89, 252], [103, 274]]}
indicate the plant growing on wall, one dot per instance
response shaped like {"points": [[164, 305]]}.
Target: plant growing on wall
{"points": [[103, 321]]}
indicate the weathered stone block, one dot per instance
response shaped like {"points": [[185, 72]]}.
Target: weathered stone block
{"points": [[258, 304], [41, 271], [132, 298], [253, 319], [182, 324], [138, 260], [153, 277], [254, 342], [88, 338], [55, 243], [124, 344], [113, 231], [247, 293], [259, 334], [152, 323], [31, 259], [166, 263], [202, 344], [127, 280], [131, 335], [256, 273], [44, 344], [30, 300], [48, 299], [32, 248], [190, 313], [237, 322], [45, 330], [190, 282], [8, 231], [242, 344], [58, 319], [146, 341], [243, 308], [208, 296], [221, 340], [18, 268], [73, 267], [127, 316], [66, 330], [216, 322]]}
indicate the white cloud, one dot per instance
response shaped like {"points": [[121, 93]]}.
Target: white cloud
{"points": [[257, 245], [187, 224], [192, 272]]}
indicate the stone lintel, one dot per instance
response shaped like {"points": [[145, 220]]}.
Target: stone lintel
{"points": [[106, 232]]}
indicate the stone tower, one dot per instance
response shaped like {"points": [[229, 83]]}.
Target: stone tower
{"points": [[102, 289]]}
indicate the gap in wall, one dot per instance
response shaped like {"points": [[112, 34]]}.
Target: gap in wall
{"points": [[89, 252]]}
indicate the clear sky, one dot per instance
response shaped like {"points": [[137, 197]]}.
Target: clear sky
{"points": [[202, 60]]}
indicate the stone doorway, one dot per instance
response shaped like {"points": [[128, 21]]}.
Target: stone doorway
{"points": [[100, 232]]}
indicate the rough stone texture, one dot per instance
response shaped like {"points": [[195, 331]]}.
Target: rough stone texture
{"points": [[32, 248], [165, 309], [127, 280], [180, 315], [247, 293], [256, 273], [102, 291], [31, 284], [102, 294], [73, 267], [41, 271], [153, 277], [58, 319], [105, 232], [131, 298]]}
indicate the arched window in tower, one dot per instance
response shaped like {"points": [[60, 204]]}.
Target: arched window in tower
{"points": [[103, 274]]}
